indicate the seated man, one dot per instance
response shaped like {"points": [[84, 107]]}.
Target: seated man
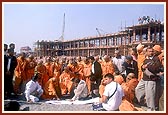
{"points": [[113, 93], [118, 77], [33, 90], [81, 89], [129, 87], [130, 76]]}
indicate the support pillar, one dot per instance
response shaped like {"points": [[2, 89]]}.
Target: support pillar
{"points": [[100, 45], [134, 35], [124, 44], [107, 51], [140, 39], [149, 34], [115, 41], [155, 35], [129, 39]]}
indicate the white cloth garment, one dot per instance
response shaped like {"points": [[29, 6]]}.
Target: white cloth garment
{"points": [[32, 87], [81, 90], [93, 71], [9, 63], [118, 62], [114, 102]]}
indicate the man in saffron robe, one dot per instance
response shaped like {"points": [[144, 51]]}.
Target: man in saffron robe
{"points": [[40, 68], [20, 74], [52, 89], [87, 72], [107, 66], [140, 60], [57, 69], [65, 81], [49, 67], [30, 67]]}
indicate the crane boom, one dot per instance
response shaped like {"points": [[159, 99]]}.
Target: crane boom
{"points": [[98, 31], [63, 29]]}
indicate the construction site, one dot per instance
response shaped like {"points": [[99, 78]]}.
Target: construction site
{"points": [[148, 33]]}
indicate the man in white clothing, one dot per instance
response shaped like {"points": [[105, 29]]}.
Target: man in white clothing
{"points": [[81, 89], [118, 60], [33, 90], [112, 95]]}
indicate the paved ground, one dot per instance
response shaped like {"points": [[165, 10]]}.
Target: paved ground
{"points": [[42, 106], [52, 107]]}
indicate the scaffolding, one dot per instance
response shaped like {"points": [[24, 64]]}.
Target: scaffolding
{"points": [[147, 34]]}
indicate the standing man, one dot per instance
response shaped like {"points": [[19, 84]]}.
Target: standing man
{"points": [[96, 76], [87, 73], [140, 59], [10, 63], [5, 49], [30, 67], [107, 65], [148, 84], [118, 60], [130, 66], [20, 74]]}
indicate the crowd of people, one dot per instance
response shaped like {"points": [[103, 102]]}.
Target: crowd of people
{"points": [[119, 81], [148, 19]]}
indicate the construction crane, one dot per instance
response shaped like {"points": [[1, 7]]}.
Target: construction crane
{"points": [[98, 31], [63, 29]]}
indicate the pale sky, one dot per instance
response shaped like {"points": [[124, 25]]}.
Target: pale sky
{"points": [[24, 23]]}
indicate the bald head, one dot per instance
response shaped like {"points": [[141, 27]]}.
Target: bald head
{"points": [[40, 62], [96, 58], [78, 58], [106, 58], [130, 76], [31, 57], [53, 79], [23, 55], [86, 60]]}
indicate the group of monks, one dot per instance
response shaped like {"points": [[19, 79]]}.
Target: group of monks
{"points": [[57, 73]]}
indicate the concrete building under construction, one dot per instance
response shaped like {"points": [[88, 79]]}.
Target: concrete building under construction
{"points": [[147, 33]]}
